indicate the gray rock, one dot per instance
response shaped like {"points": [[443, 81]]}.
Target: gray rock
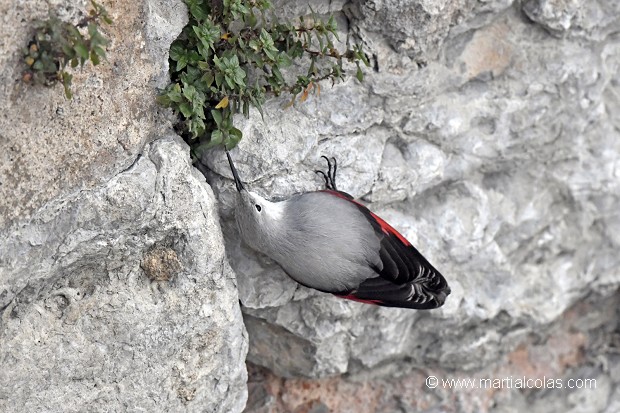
{"points": [[164, 19], [574, 18], [498, 160], [571, 366], [415, 28], [294, 9], [487, 141], [591, 394], [614, 404], [50, 146], [120, 297], [115, 293], [557, 16]]}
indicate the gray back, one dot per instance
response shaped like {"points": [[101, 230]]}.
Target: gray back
{"points": [[324, 242]]}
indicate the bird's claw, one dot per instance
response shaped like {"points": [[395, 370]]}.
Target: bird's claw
{"points": [[330, 176]]}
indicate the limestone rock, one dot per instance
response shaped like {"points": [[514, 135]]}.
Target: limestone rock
{"points": [[557, 16], [572, 368], [498, 160], [50, 146], [86, 326], [487, 132], [595, 20], [115, 292]]}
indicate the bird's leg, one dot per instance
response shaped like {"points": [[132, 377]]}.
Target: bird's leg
{"points": [[324, 177], [330, 176], [333, 177]]}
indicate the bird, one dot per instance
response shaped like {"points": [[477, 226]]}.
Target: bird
{"points": [[328, 241]]}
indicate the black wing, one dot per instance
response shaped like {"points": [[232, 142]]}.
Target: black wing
{"points": [[405, 279]]}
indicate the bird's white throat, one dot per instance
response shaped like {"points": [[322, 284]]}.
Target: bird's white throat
{"points": [[274, 210]]}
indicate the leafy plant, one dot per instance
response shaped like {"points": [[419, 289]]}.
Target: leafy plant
{"points": [[57, 44], [232, 55]]}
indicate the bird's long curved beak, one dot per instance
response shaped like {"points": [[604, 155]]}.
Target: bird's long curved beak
{"points": [[234, 172]]}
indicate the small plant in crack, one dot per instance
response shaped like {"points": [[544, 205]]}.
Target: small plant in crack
{"points": [[234, 54], [57, 44]]}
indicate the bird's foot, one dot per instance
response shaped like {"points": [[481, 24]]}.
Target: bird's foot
{"points": [[330, 176]]}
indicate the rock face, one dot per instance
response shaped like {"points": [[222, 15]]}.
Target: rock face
{"points": [[50, 146], [487, 132], [121, 297], [494, 147], [561, 370], [115, 292]]}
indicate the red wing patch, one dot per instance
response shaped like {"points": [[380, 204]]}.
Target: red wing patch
{"points": [[405, 278], [359, 300], [340, 194], [385, 227]]}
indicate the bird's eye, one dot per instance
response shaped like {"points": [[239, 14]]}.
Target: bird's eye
{"points": [[258, 207]]}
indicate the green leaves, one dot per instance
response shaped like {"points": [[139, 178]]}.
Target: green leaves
{"points": [[230, 57], [236, 9], [57, 44], [199, 10], [66, 83], [230, 71], [208, 34]]}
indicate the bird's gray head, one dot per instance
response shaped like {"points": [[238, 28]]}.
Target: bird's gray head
{"points": [[258, 219]]}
